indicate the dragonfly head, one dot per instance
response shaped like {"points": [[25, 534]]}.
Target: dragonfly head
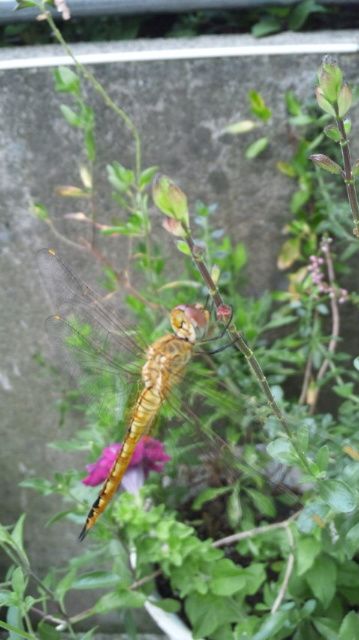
{"points": [[187, 320]]}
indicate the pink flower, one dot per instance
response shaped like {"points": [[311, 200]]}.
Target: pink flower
{"points": [[149, 456]]}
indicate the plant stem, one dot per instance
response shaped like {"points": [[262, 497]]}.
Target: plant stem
{"points": [[348, 176], [100, 90], [335, 324], [239, 342], [288, 572], [251, 533]]}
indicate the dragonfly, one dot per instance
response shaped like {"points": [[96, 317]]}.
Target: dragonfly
{"points": [[165, 361]]}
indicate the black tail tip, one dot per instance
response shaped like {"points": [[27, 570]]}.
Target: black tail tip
{"points": [[83, 534]]}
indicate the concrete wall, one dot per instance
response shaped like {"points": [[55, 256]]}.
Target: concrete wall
{"points": [[180, 107]]}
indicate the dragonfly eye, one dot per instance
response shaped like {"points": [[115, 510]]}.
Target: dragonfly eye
{"points": [[186, 319]]}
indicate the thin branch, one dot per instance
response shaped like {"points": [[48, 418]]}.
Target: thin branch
{"points": [[335, 323], [145, 579], [348, 176], [239, 342], [306, 380], [288, 572], [100, 90], [251, 533]]}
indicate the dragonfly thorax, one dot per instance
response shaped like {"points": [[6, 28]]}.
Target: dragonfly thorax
{"points": [[187, 319]]}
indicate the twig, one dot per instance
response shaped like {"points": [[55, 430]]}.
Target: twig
{"points": [[239, 342], [288, 572], [145, 579], [335, 323], [306, 380], [100, 90], [250, 533], [348, 176]]}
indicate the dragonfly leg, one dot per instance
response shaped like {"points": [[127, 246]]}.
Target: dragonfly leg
{"points": [[223, 332]]}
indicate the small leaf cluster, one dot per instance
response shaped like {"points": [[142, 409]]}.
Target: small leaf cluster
{"points": [[262, 113]]}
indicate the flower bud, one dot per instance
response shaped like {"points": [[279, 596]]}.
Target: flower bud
{"points": [[330, 79], [325, 163], [345, 99], [170, 199], [323, 102], [174, 227]]}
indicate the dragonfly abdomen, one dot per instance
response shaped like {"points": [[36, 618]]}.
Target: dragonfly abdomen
{"points": [[166, 362], [144, 412]]}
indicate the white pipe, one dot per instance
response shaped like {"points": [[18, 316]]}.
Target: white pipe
{"points": [[185, 53]]}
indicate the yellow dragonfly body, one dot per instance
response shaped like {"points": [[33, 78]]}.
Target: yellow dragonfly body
{"points": [[164, 367], [166, 362]]}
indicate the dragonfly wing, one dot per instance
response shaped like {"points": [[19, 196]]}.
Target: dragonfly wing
{"points": [[72, 297], [91, 343], [199, 441]]}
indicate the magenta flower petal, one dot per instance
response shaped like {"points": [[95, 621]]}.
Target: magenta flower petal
{"points": [[149, 455], [133, 479], [99, 470]]}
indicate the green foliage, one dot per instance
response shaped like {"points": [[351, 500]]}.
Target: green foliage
{"points": [[222, 539], [260, 110]]}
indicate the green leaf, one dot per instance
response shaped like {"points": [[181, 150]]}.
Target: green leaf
{"points": [[208, 613], [355, 169], [339, 495], [25, 4], [65, 585], [147, 176], [183, 247], [344, 390], [352, 540], [292, 103], [349, 629], [255, 575], [321, 578], [324, 162], [66, 81], [332, 132], [17, 533], [322, 457], [120, 177], [73, 118], [267, 25], [345, 99], [167, 604], [299, 199], [278, 621], [281, 449], [18, 583], [40, 211], [96, 580], [258, 106], [239, 256], [256, 148], [15, 631], [327, 628], [207, 495], [286, 168], [324, 104], [119, 600], [263, 503], [170, 199], [289, 253], [307, 551], [227, 578], [301, 12], [14, 618], [90, 145], [234, 508], [243, 126], [47, 632]]}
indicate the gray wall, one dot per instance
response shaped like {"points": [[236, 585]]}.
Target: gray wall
{"points": [[180, 107]]}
